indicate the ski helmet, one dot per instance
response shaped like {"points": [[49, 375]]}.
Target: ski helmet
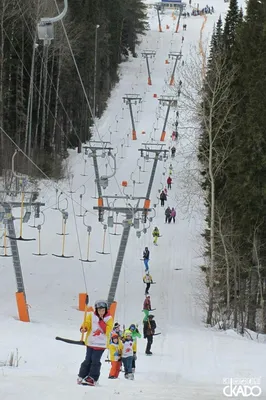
{"points": [[127, 333], [101, 304], [151, 316], [132, 327], [114, 335]]}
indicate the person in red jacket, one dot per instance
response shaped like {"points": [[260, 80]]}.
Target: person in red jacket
{"points": [[169, 182], [147, 303]]}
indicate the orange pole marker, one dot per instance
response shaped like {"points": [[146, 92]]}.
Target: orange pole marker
{"points": [[82, 301], [100, 202], [134, 135], [147, 203], [172, 81], [112, 309], [177, 27], [160, 28], [163, 136], [23, 312], [149, 81], [124, 183]]}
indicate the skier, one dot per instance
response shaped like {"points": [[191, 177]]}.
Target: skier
{"points": [[147, 303], [116, 329], [98, 326], [155, 235], [167, 214], [148, 280], [115, 350], [172, 215], [173, 151], [146, 258], [128, 349], [169, 182], [184, 27], [170, 169], [183, 39], [135, 334], [148, 332], [163, 198]]}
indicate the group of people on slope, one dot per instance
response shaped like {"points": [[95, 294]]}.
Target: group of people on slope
{"points": [[170, 215], [102, 334]]}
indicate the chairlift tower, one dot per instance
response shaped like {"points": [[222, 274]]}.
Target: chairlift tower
{"points": [[168, 101], [158, 9], [101, 181], [127, 223], [177, 56], [159, 154], [129, 99], [148, 54]]}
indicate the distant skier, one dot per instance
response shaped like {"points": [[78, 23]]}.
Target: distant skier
{"points": [[163, 198], [149, 327], [184, 27], [183, 39], [169, 182], [148, 280], [146, 258], [98, 326], [173, 151], [167, 214], [155, 235], [170, 169], [172, 215]]}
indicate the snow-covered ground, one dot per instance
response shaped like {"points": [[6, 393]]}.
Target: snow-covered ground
{"points": [[189, 360]]}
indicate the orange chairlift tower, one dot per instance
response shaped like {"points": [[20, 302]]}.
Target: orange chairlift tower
{"points": [[148, 54], [129, 99], [168, 101]]}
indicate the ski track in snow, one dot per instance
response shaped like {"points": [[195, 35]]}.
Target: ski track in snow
{"points": [[189, 361]]}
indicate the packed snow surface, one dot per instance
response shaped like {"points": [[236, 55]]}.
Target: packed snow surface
{"points": [[189, 360]]}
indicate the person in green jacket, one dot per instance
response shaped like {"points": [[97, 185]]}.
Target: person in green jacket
{"points": [[135, 334]]}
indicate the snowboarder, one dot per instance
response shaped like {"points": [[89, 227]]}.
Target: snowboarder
{"points": [[172, 215], [146, 258], [135, 334], [148, 280], [148, 332], [167, 214], [115, 351], [169, 182], [163, 198], [155, 235], [98, 326], [128, 349]]}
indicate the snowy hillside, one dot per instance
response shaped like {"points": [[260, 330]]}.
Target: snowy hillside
{"points": [[189, 361]]}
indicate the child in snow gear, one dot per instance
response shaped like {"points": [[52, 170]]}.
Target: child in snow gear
{"points": [[155, 235], [163, 198], [169, 182], [116, 329], [148, 280], [98, 326], [148, 332], [172, 215], [167, 214], [146, 258], [135, 334], [128, 348], [115, 351]]}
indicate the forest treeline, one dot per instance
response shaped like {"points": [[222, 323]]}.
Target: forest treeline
{"points": [[232, 155], [42, 104]]}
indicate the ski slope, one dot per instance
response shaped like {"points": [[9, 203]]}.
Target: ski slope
{"points": [[189, 361]]}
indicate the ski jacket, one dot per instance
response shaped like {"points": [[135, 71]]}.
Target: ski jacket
{"points": [[169, 180], [115, 351], [98, 330], [168, 212], [156, 233], [149, 328], [163, 196], [147, 279], [147, 305], [146, 254], [173, 212], [128, 348], [135, 336]]}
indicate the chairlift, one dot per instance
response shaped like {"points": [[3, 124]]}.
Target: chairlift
{"points": [[39, 227]]}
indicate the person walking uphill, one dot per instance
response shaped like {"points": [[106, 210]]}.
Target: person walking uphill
{"points": [[169, 182], [98, 326], [163, 198], [167, 214], [149, 327], [148, 280], [172, 215], [146, 258]]}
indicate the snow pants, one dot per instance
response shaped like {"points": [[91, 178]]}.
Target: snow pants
{"points": [[115, 368], [149, 343], [162, 202], [146, 261], [91, 366], [127, 362], [148, 285], [155, 238]]}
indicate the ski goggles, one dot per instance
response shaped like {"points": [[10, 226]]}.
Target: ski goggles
{"points": [[101, 304], [132, 327]]}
